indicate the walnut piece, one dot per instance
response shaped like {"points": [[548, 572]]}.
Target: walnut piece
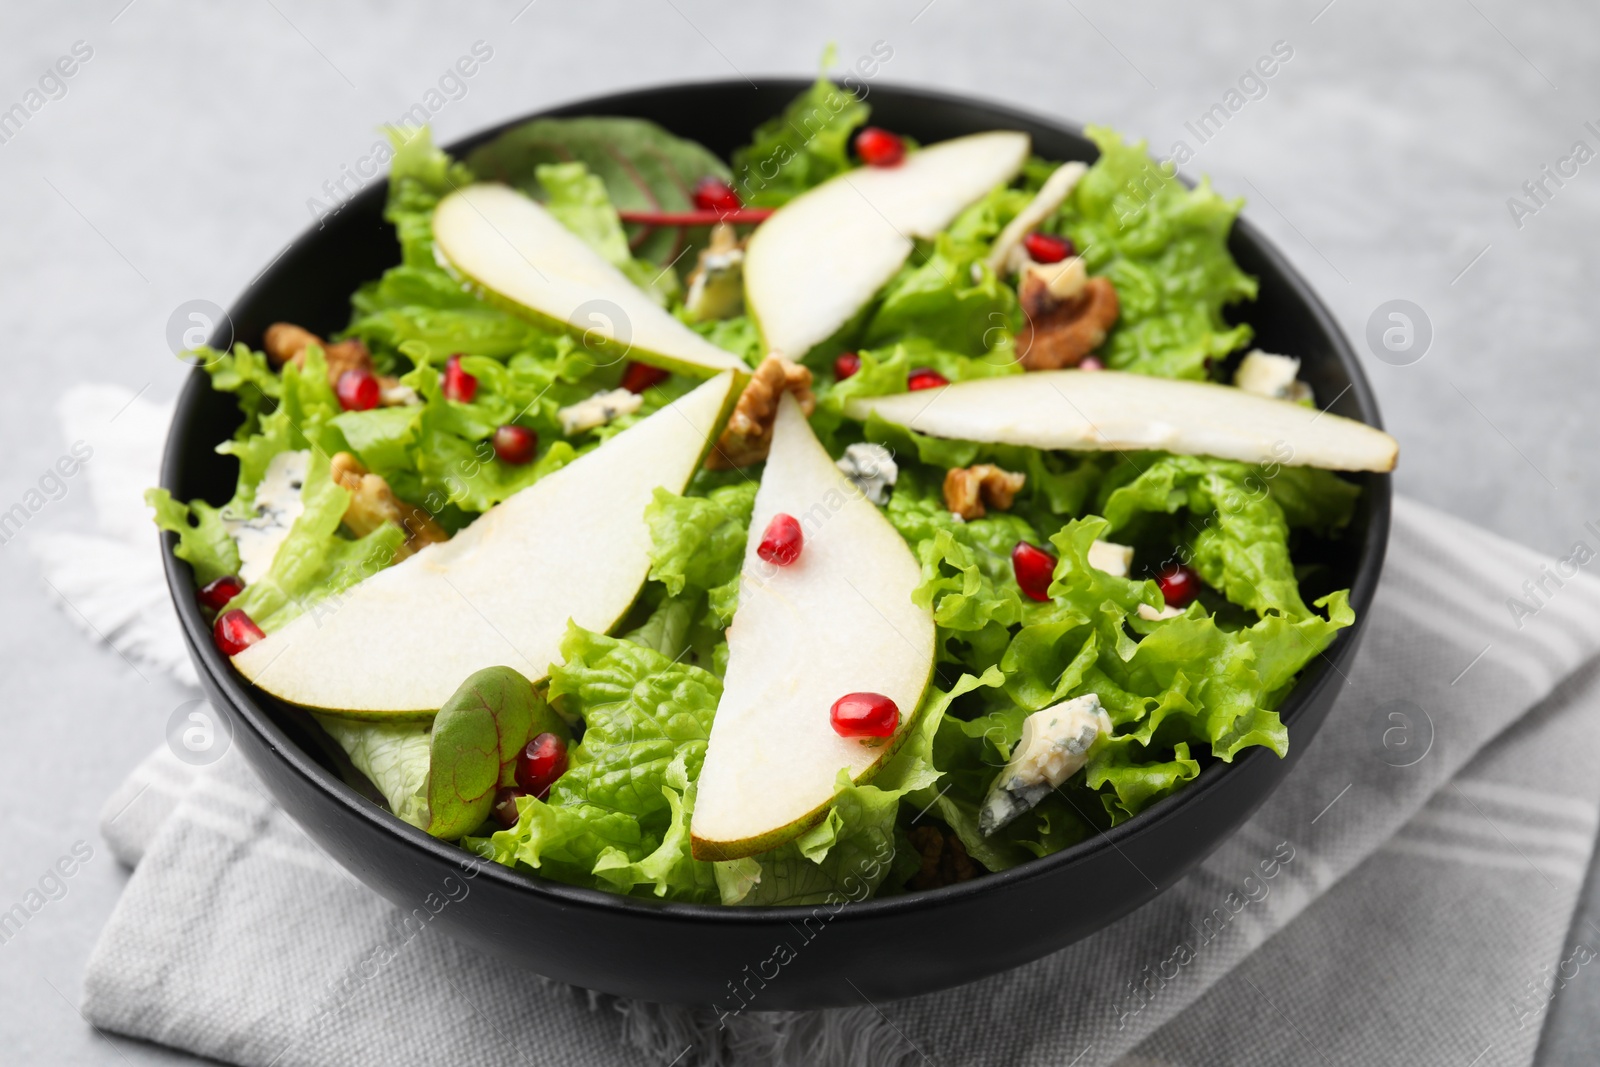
{"points": [[944, 859], [968, 489], [1060, 333], [373, 503], [284, 342], [748, 435]]}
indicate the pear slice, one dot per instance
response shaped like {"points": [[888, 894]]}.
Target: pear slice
{"points": [[821, 257], [838, 620], [1101, 411], [520, 258], [572, 545]]}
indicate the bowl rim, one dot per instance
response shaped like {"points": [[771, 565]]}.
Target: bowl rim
{"points": [[243, 706]]}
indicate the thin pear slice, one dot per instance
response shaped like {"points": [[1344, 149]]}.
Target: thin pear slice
{"points": [[821, 257], [838, 620], [1102, 411], [522, 259], [572, 545]]}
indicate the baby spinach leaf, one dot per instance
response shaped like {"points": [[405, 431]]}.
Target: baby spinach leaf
{"points": [[476, 738], [644, 168]]}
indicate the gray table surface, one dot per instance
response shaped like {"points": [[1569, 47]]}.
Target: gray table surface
{"points": [[182, 155]]}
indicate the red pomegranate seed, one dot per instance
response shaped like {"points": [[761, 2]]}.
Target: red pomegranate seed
{"points": [[358, 390], [714, 194], [1092, 363], [1034, 568], [923, 378], [782, 542], [235, 631], [515, 445], [215, 594], [458, 384], [845, 364], [1179, 585], [641, 376], [864, 715], [1046, 247], [541, 763], [505, 806], [879, 148]]}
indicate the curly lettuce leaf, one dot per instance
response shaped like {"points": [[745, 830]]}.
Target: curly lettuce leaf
{"points": [[1237, 536], [698, 542], [394, 756], [579, 201], [203, 541], [844, 857], [315, 563], [420, 176], [1165, 248], [625, 796], [291, 421], [802, 147]]}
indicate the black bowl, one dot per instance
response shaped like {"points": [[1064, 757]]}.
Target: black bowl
{"points": [[887, 948]]}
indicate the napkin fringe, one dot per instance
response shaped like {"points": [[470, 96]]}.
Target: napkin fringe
{"points": [[845, 1037]]}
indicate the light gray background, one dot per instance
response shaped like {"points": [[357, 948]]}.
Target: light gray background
{"points": [[181, 159]]}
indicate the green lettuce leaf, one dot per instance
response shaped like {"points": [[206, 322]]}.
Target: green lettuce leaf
{"points": [[315, 563], [621, 801], [203, 541], [698, 542], [1165, 248], [579, 201], [802, 147], [394, 756], [420, 176]]}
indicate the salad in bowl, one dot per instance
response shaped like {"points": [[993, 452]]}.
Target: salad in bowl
{"points": [[719, 531]]}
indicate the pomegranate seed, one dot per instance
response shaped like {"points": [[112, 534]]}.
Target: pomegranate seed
{"points": [[541, 763], [879, 148], [782, 542], [1179, 585], [845, 365], [515, 445], [505, 806], [235, 631], [215, 594], [358, 390], [714, 194], [641, 376], [458, 384], [1034, 568], [864, 715], [923, 378], [1047, 247], [1091, 363]]}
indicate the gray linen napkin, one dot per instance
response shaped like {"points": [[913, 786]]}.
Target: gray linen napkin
{"points": [[1404, 897]]}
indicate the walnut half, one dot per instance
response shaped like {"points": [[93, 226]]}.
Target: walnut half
{"points": [[1061, 332], [968, 489], [748, 434], [373, 503], [944, 860]]}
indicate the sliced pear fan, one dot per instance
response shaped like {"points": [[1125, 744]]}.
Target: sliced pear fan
{"points": [[840, 619], [823, 256], [572, 545], [524, 260], [1112, 411]]}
